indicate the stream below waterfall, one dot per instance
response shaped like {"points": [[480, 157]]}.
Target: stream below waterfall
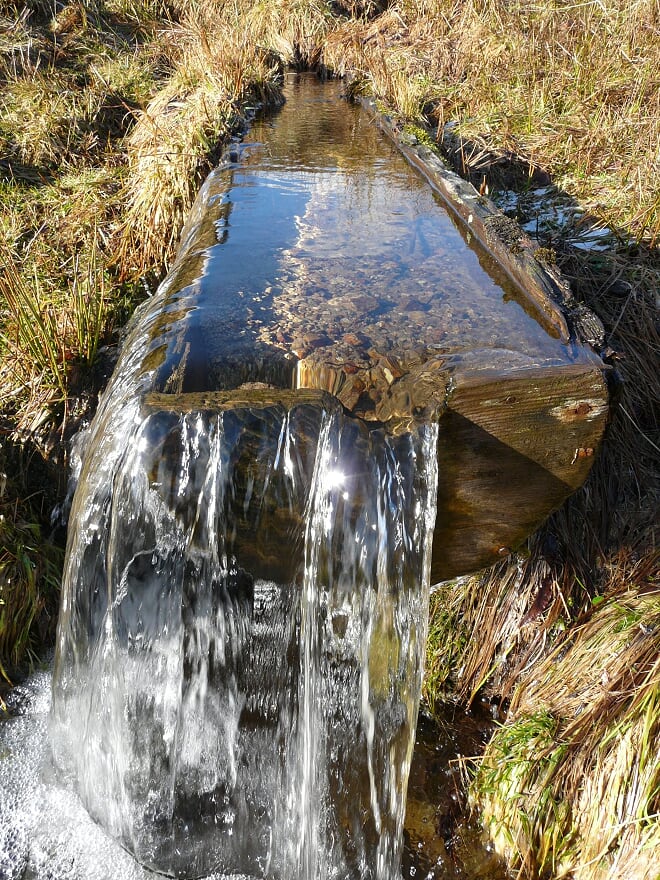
{"points": [[46, 833]]}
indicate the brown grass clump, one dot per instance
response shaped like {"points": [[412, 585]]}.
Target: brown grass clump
{"points": [[572, 88], [571, 784], [295, 30], [29, 580], [47, 333], [68, 84]]}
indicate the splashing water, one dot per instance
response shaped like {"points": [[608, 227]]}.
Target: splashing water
{"points": [[244, 609], [213, 720]]}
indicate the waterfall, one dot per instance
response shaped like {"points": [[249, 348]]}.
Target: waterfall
{"points": [[214, 720], [244, 607]]}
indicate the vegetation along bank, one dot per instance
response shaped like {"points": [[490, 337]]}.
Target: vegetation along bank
{"points": [[112, 112]]}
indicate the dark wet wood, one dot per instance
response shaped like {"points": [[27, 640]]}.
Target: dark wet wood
{"points": [[251, 397], [511, 449]]}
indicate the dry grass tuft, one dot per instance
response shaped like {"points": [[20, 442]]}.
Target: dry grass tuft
{"points": [[294, 29], [584, 799], [448, 638], [48, 336], [30, 572], [33, 345]]}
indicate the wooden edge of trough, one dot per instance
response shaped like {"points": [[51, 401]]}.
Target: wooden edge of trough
{"points": [[540, 285], [542, 429], [240, 398], [538, 432]]}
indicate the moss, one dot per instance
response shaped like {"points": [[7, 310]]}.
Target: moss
{"points": [[506, 229], [571, 781], [449, 634], [546, 256], [421, 136]]}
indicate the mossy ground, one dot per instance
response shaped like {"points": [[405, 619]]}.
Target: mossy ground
{"points": [[110, 114]]}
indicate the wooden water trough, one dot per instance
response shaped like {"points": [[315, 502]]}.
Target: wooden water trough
{"points": [[514, 380]]}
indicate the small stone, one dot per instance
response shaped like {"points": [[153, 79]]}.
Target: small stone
{"points": [[351, 339]]}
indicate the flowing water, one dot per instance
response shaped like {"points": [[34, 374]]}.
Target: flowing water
{"points": [[243, 622], [47, 834], [213, 721]]}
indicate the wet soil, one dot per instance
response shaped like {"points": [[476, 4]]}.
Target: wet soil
{"points": [[442, 840]]}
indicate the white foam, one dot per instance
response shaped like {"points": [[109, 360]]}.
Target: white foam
{"points": [[45, 832]]}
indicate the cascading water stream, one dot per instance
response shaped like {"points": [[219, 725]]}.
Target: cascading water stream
{"points": [[214, 721], [329, 363]]}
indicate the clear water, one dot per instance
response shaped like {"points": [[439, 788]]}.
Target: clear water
{"points": [[46, 832], [213, 721], [322, 260]]}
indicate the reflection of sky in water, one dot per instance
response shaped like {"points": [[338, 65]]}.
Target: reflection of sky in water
{"points": [[324, 208], [260, 228]]}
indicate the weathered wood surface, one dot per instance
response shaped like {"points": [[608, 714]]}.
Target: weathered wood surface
{"points": [[522, 407], [510, 451]]}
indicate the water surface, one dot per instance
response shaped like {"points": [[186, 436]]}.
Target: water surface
{"points": [[47, 834], [321, 259]]}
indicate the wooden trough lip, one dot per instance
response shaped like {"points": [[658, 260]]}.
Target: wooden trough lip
{"points": [[518, 428]]}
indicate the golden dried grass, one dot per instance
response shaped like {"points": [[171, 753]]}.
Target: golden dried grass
{"points": [[294, 29], [30, 571], [585, 799], [45, 332], [571, 87]]}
